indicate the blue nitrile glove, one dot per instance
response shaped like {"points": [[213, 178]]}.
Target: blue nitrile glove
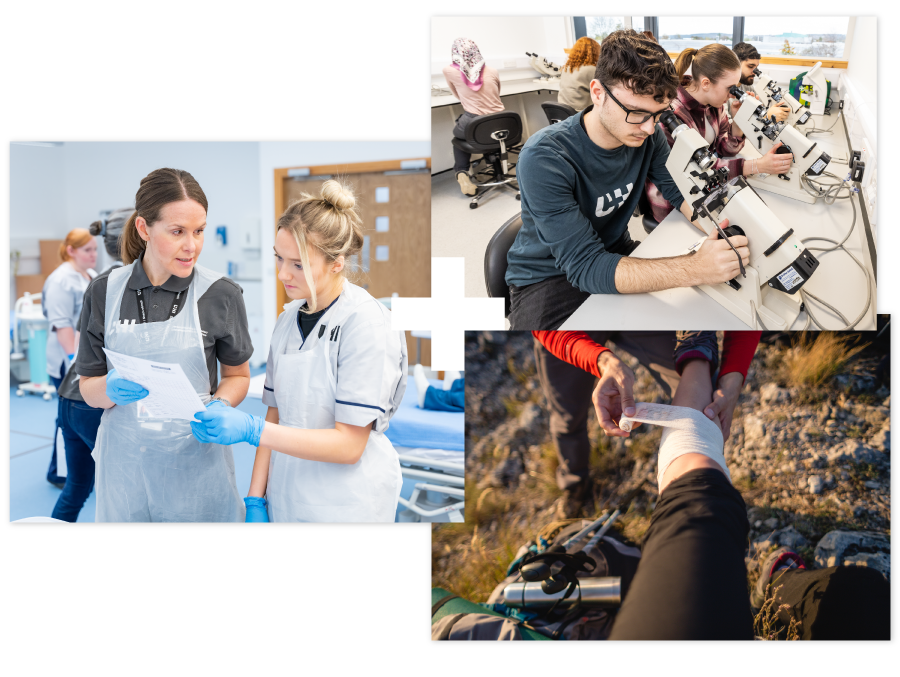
{"points": [[123, 391], [256, 509], [224, 425]]}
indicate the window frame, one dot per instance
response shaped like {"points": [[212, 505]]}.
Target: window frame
{"points": [[580, 30]]}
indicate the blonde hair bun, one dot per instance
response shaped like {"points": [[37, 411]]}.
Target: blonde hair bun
{"points": [[338, 195]]}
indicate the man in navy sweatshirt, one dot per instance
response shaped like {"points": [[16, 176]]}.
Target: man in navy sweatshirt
{"points": [[580, 181]]}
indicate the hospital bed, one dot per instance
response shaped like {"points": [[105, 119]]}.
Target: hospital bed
{"points": [[431, 446]]}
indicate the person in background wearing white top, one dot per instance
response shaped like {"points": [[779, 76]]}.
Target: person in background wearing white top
{"points": [[575, 81], [706, 76], [63, 296], [477, 86], [335, 376]]}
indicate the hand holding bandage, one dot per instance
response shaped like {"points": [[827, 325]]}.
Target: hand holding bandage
{"points": [[613, 395], [687, 431]]}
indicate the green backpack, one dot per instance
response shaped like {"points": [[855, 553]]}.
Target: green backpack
{"points": [[794, 89]]}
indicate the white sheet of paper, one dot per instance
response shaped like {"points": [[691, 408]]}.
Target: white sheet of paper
{"points": [[171, 393]]}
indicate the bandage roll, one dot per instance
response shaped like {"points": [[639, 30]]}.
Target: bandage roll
{"points": [[687, 431]]}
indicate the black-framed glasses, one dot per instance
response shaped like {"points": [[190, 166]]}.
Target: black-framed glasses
{"points": [[636, 117]]}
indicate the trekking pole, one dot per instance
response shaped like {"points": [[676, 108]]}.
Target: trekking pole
{"points": [[624, 504], [584, 532]]}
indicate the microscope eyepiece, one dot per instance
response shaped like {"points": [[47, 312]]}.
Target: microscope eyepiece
{"points": [[670, 121], [756, 71], [736, 92]]}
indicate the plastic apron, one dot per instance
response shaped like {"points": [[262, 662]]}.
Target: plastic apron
{"points": [[299, 490], [155, 470]]}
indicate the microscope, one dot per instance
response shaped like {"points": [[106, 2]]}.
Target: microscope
{"points": [[768, 90], [765, 292], [547, 69], [814, 89], [763, 133]]}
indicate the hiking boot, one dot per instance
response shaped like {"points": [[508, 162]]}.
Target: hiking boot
{"points": [[571, 505], [781, 559], [696, 345], [465, 184]]}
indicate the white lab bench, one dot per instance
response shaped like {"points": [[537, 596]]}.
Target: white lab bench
{"points": [[838, 280], [524, 96]]}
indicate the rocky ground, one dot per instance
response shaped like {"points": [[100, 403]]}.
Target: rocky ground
{"points": [[811, 461]]}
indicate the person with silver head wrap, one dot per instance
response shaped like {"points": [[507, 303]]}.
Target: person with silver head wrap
{"points": [[477, 86]]}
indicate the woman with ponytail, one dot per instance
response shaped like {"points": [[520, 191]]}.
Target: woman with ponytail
{"points": [[706, 76], [162, 306], [335, 376], [63, 294]]}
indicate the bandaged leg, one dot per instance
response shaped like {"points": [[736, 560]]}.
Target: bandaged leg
{"points": [[687, 431]]}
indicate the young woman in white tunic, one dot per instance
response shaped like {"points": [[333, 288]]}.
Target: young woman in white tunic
{"points": [[335, 376]]}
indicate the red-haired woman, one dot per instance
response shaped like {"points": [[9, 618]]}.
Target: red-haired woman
{"points": [[575, 81], [63, 295]]}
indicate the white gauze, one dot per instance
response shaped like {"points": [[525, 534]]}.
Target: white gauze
{"points": [[687, 431]]}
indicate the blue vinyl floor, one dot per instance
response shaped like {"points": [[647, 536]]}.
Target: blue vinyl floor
{"points": [[32, 422]]}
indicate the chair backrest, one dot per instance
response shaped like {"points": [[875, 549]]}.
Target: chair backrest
{"points": [[557, 112], [506, 123], [495, 262]]}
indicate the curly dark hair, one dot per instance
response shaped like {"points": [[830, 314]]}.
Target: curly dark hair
{"points": [[745, 51], [633, 60]]}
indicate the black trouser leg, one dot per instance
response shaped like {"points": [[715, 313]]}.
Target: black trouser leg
{"points": [[568, 391], [461, 158], [835, 603], [691, 582]]}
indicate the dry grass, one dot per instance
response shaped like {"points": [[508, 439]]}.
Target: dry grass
{"points": [[812, 363], [482, 558], [766, 624]]}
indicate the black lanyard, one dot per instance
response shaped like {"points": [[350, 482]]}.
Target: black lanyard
{"points": [[143, 318]]}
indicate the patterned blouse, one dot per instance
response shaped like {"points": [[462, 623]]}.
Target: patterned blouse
{"points": [[726, 145]]}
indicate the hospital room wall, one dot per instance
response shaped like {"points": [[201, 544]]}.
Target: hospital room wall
{"points": [[55, 189], [107, 176], [274, 155], [36, 205]]}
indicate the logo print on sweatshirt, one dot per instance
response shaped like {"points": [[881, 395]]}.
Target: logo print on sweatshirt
{"points": [[619, 195]]}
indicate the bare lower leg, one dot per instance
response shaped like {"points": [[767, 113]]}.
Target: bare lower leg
{"points": [[694, 391]]}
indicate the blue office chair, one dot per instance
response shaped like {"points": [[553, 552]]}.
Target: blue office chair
{"points": [[494, 136]]}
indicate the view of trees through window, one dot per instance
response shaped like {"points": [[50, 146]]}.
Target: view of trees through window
{"points": [[680, 32], [598, 27], [815, 37]]}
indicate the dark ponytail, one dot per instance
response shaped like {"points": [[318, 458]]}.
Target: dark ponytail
{"points": [[711, 61]]}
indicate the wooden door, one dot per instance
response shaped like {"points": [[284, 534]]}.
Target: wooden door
{"points": [[395, 205]]}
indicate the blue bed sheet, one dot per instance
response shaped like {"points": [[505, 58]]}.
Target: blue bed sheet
{"points": [[414, 427]]}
